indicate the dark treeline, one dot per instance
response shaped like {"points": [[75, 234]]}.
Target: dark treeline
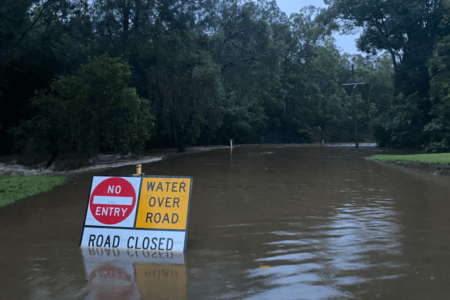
{"points": [[80, 76]]}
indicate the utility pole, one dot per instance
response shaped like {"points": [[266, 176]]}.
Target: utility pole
{"points": [[354, 108], [354, 105]]}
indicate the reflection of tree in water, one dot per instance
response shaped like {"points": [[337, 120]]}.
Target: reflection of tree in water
{"points": [[366, 238], [55, 273], [355, 243], [347, 233]]}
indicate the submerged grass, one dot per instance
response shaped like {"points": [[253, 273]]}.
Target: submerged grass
{"points": [[15, 188], [437, 158]]}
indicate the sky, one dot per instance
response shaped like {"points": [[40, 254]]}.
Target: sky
{"points": [[345, 42]]}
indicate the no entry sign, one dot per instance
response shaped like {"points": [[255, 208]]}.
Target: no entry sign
{"points": [[138, 212], [112, 201]]}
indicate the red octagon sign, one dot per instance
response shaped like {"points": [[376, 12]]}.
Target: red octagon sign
{"points": [[112, 201]]}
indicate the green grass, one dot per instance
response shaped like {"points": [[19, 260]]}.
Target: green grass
{"points": [[15, 188], [438, 158]]}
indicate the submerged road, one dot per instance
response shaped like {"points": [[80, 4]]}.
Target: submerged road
{"points": [[267, 222]]}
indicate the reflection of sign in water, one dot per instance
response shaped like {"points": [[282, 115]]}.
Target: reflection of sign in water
{"points": [[161, 281], [108, 281], [134, 274], [158, 222]]}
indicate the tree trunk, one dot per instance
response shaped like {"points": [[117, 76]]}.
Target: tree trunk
{"points": [[182, 145]]}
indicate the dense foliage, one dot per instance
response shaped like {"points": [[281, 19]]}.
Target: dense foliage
{"points": [[122, 75], [415, 34], [91, 110]]}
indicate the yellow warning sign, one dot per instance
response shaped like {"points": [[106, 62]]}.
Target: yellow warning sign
{"points": [[164, 203]]}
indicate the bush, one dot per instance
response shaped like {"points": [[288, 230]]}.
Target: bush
{"points": [[378, 130], [402, 126]]}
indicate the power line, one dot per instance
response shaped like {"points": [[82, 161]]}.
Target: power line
{"points": [[390, 30], [429, 24], [414, 33]]}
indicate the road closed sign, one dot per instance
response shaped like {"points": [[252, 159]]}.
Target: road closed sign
{"points": [[138, 212]]}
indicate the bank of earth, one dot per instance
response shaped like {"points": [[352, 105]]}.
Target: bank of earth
{"points": [[436, 163]]}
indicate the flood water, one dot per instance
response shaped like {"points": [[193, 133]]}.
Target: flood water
{"points": [[267, 222]]}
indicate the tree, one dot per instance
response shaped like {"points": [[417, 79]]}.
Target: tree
{"points": [[209, 70], [243, 43], [402, 124], [184, 86], [315, 101], [439, 69], [92, 110], [38, 40], [408, 32]]}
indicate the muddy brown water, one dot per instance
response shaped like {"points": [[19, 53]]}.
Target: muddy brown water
{"points": [[268, 222]]}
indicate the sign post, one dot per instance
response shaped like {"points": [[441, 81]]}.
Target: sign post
{"points": [[138, 212]]}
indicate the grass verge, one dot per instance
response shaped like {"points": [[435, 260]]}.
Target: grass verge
{"points": [[437, 158], [15, 188]]}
